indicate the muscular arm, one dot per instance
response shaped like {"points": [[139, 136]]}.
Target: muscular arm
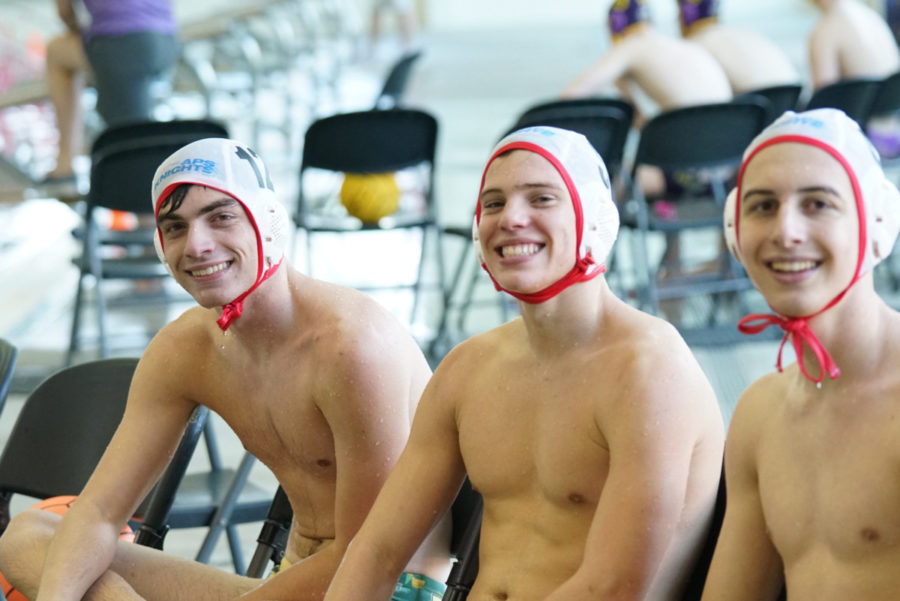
{"points": [[140, 449], [745, 565], [418, 491], [366, 403], [652, 433]]}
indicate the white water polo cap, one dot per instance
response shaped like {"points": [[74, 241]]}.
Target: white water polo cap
{"points": [[877, 203], [236, 170], [587, 181]]}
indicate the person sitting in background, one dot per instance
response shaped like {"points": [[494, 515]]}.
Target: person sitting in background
{"points": [[812, 451], [750, 60], [126, 47], [850, 40], [643, 62], [587, 426]]}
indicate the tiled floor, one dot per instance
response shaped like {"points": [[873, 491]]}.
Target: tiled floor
{"points": [[474, 81]]}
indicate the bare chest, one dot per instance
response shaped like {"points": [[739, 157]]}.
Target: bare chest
{"points": [[274, 414], [533, 435], [830, 477]]}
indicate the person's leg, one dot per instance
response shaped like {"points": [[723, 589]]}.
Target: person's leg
{"points": [[137, 572], [66, 73], [124, 87]]}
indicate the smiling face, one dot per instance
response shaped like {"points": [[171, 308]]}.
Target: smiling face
{"points": [[799, 227], [527, 226], [210, 245]]}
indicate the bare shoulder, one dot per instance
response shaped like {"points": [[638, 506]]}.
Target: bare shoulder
{"points": [[355, 336], [762, 401]]}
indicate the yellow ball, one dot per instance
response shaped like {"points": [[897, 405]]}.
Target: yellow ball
{"points": [[370, 196]]}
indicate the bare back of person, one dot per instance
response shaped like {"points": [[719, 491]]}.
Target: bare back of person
{"points": [[534, 435], [750, 60], [838, 530], [850, 41], [672, 72]]}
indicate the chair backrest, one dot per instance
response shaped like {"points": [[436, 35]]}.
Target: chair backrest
{"points": [[396, 82], [853, 96], [606, 128], [611, 102], [700, 137], [887, 98], [63, 429], [370, 142], [125, 157], [8, 355], [781, 98]]}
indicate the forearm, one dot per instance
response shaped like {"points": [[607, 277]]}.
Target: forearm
{"points": [[306, 580], [363, 576], [78, 555], [595, 585]]}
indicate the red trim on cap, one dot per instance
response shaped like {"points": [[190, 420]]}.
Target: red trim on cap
{"points": [[797, 328], [233, 309], [581, 271]]}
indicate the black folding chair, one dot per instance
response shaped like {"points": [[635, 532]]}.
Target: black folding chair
{"points": [[123, 161], [374, 142], [612, 102], [853, 96], [706, 141], [781, 98]]}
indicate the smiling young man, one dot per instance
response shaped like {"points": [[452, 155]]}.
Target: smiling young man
{"points": [[812, 456], [586, 425], [318, 382]]}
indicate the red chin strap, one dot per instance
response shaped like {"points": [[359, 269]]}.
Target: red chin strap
{"points": [[233, 310], [581, 272], [798, 330]]}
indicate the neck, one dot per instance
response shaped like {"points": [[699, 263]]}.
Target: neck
{"points": [[854, 332], [570, 319], [268, 310]]}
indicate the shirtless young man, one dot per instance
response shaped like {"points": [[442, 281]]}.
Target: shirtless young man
{"points": [[850, 40], [586, 425], [750, 60], [812, 461], [642, 61], [318, 381]]}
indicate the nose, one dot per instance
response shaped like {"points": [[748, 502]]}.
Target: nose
{"points": [[791, 226], [515, 214], [198, 240]]}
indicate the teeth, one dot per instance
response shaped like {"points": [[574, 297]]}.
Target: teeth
{"points": [[519, 250], [793, 266], [209, 270]]}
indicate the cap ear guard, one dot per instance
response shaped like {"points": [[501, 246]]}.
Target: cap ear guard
{"points": [[730, 225]]}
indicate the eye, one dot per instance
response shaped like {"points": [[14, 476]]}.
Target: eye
{"points": [[760, 206], [170, 228], [491, 204]]}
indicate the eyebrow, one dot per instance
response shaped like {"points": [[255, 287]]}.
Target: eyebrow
{"points": [[806, 190], [209, 208], [524, 186]]}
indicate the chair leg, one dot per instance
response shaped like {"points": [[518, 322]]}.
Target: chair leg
{"points": [[222, 517], [76, 320]]}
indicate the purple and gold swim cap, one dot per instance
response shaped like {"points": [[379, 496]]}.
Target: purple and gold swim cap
{"points": [[694, 12], [625, 15]]}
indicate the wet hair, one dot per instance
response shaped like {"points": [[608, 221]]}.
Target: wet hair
{"points": [[174, 201]]}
